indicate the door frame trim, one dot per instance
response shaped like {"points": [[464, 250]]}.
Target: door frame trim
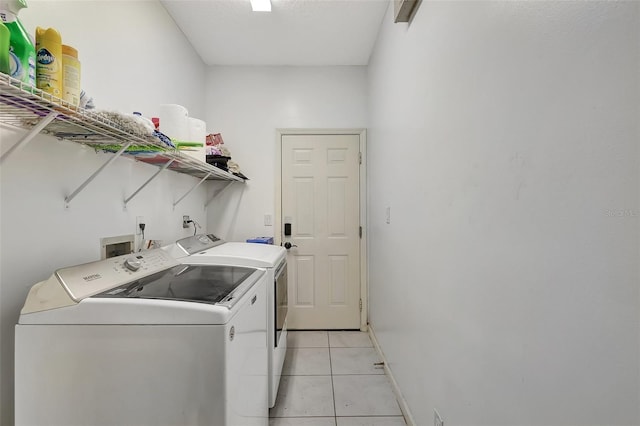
{"points": [[364, 200]]}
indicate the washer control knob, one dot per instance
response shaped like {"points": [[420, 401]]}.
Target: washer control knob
{"points": [[132, 264]]}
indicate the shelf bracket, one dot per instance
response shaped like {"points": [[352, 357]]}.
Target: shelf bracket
{"points": [[148, 181], [113, 158], [29, 136], [189, 191], [218, 192]]}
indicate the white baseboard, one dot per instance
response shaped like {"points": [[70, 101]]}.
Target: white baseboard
{"points": [[404, 407]]}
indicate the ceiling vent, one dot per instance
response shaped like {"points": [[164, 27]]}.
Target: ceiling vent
{"points": [[404, 9]]}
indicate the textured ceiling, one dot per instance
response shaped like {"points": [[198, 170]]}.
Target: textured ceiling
{"points": [[295, 32]]}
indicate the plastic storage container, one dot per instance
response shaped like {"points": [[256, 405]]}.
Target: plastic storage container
{"points": [[197, 137], [174, 121], [261, 240]]}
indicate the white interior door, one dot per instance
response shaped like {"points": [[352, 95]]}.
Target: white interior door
{"points": [[321, 200]]}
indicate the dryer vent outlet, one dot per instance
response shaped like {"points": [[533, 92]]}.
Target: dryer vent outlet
{"points": [[185, 221]]}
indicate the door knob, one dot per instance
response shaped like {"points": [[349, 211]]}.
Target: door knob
{"points": [[288, 245]]}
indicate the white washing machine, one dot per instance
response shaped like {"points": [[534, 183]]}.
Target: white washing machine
{"points": [[209, 249], [143, 340]]}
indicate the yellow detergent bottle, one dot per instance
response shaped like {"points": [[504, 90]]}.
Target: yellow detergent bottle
{"points": [[70, 75], [49, 61]]}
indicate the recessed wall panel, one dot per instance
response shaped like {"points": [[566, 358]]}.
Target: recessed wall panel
{"points": [[338, 267], [302, 156], [304, 207], [336, 155], [336, 206], [305, 281]]}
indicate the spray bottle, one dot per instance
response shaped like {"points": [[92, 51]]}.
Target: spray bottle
{"points": [[22, 53]]}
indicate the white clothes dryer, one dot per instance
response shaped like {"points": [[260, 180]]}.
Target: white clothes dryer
{"points": [[143, 340], [210, 250]]}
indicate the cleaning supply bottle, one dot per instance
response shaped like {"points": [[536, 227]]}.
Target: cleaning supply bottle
{"points": [[70, 75], [22, 54], [49, 61], [5, 44]]}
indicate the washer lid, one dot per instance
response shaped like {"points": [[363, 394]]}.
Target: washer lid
{"points": [[196, 243], [214, 284], [244, 254]]}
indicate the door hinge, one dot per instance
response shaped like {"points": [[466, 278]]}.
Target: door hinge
{"points": [[360, 305], [359, 158], [360, 232]]}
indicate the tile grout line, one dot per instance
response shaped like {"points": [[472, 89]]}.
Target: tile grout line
{"points": [[333, 391]]}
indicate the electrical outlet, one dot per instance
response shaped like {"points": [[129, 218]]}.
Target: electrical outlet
{"points": [[388, 215], [185, 221], [139, 220], [437, 420]]}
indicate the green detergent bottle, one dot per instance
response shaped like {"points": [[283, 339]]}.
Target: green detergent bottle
{"points": [[22, 53], [4, 49]]}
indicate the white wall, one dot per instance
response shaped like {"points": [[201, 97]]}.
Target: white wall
{"points": [[247, 104], [133, 58], [504, 137]]}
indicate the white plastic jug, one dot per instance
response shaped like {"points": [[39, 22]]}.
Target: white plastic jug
{"points": [[174, 121]]}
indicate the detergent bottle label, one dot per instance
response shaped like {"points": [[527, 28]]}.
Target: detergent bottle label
{"points": [[48, 72], [15, 67], [45, 57], [32, 70], [18, 71]]}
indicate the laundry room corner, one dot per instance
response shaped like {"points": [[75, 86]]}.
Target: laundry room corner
{"points": [[319, 212]]}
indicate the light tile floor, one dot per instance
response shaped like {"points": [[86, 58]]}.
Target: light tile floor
{"points": [[329, 378]]}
